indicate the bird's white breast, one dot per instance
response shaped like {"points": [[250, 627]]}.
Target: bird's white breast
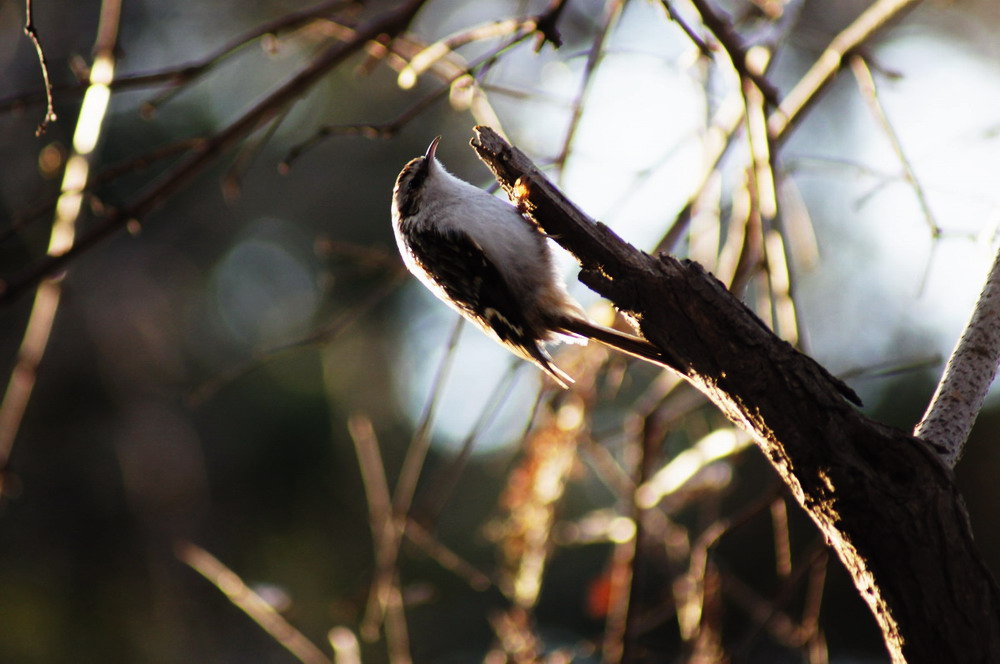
{"points": [[506, 237]]}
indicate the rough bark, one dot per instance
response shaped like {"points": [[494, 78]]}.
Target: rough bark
{"points": [[884, 499], [968, 376]]}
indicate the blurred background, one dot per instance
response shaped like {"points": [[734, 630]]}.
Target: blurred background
{"points": [[245, 376]]}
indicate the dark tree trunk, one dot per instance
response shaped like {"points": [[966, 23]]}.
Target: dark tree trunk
{"points": [[884, 500]]}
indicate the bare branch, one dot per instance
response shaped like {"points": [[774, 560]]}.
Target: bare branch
{"points": [[703, 48], [866, 82], [814, 81], [882, 498], [447, 558], [177, 76], [968, 376], [193, 71], [443, 485], [32, 32], [319, 336], [718, 137], [346, 649], [429, 56], [416, 452], [612, 12], [385, 600], [449, 68], [68, 207], [390, 22], [252, 604], [732, 43]]}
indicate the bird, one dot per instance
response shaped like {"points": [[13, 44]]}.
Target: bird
{"points": [[485, 260]]}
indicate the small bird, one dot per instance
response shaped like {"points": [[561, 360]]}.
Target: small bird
{"points": [[486, 261]]}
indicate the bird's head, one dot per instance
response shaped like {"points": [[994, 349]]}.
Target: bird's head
{"points": [[411, 181]]}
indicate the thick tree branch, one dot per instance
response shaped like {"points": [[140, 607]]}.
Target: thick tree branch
{"points": [[968, 376], [882, 498]]}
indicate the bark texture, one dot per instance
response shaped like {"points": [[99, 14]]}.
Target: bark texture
{"points": [[884, 499], [967, 378]]}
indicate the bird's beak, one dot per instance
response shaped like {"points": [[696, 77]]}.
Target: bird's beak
{"points": [[432, 149]]}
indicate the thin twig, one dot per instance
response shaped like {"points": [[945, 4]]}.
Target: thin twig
{"points": [[322, 335], [695, 38], [866, 83], [385, 595], [814, 81], [779, 282], [186, 73], [388, 542], [416, 452], [24, 219], [68, 208], [893, 367], [732, 44], [32, 32], [646, 447], [386, 130], [346, 649], [718, 138], [389, 22], [367, 130], [439, 495], [193, 71], [612, 12], [762, 182], [446, 558], [770, 614], [247, 154], [782, 538], [673, 476], [252, 604], [619, 595], [431, 54]]}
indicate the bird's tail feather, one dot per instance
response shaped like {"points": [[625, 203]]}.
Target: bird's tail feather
{"points": [[644, 350], [537, 354], [621, 341]]}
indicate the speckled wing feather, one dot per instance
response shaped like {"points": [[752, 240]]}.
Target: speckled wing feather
{"points": [[460, 269]]}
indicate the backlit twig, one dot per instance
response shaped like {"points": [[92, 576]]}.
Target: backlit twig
{"points": [[32, 32], [814, 81], [248, 601]]}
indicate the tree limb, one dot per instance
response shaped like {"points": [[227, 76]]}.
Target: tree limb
{"points": [[968, 376], [882, 498]]}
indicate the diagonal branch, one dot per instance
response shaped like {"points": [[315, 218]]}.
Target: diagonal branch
{"points": [[251, 603], [733, 45], [388, 23], [823, 71], [968, 376], [866, 83], [174, 76], [883, 499]]}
